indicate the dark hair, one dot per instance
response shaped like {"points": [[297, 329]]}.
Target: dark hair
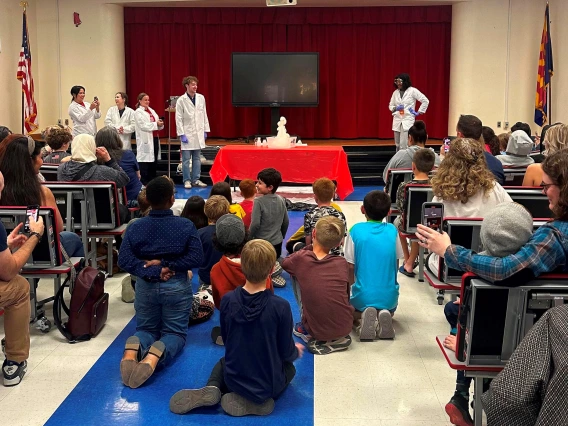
{"points": [[491, 140], [556, 167], [270, 177], [123, 96], [75, 91], [418, 132], [230, 249], [108, 137], [4, 133], [194, 211], [140, 97], [519, 125], [21, 185], [159, 192], [377, 205], [424, 160], [248, 188], [470, 127], [223, 189], [406, 83]]}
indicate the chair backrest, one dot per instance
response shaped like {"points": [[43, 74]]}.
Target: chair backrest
{"points": [[394, 178], [416, 195], [533, 199], [46, 253], [514, 176], [49, 172]]}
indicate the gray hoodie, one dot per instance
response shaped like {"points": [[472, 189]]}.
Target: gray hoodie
{"points": [[518, 150], [403, 160], [110, 172]]}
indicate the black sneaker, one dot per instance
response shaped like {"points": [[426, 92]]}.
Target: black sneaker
{"points": [[458, 411], [216, 336], [13, 372]]}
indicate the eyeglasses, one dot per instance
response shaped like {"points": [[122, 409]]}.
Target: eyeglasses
{"points": [[398, 80], [545, 186]]}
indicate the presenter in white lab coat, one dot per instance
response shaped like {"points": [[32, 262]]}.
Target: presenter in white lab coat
{"points": [[192, 126], [147, 140], [83, 114], [402, 106], [121, 117]]}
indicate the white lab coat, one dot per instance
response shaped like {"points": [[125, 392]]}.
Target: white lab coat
{"points": [[145, 135], [411, 95], [83, 118], [192, 121], [127, 122]]}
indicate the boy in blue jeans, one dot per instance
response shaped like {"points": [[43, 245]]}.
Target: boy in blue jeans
{"points": [[256, 326], [372, 249]]}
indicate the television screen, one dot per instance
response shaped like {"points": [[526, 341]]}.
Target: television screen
{"points": [[275, 79]]}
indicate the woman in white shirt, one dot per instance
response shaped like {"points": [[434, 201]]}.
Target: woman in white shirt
{"points": [[83, 114], [121, 117], [147, 140], [465, 185], [402, 107]]}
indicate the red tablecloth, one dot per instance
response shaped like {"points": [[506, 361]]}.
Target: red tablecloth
{"points": [[302, 164]]}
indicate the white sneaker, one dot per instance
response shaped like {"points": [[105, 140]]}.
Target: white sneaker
{"points": [[199, 183], [187, 185]]}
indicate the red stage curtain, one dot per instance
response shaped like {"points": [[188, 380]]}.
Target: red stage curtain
{"points": [[361, 50]]}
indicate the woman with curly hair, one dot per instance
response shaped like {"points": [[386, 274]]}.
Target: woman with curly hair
{"points": [[465, 185], [555, 139]]}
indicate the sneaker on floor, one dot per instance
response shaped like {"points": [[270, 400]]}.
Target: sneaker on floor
{"points": [[385, 329], [324, 347], [199, 183], [187, 185], [235, 405], [186, 400], [128, 293], [458, 411], [301, 332], [13, 372], [368, 325], [216, 336]]}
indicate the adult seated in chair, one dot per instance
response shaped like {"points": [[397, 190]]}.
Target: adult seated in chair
{"points": [[555, 139], [20, 161], [15, 296], [517, 153], [83, 167]]}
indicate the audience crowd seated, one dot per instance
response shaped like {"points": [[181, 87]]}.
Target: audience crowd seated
{"points": [[555, 139]]}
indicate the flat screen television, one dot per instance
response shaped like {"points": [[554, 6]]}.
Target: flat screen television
{"points": [[275, 79]]}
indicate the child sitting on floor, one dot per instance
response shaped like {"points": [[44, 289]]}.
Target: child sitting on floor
{"points": [[422, 163], [372, 248], [248, 191], [259, 348], [224, 189], [505, 229], [321, 286]]}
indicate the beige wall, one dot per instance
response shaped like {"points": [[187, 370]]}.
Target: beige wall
{"points": [[92, 55], [493, 68]]}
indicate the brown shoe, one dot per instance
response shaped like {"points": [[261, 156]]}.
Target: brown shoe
{"points": [[145, 368], [129, 358]]}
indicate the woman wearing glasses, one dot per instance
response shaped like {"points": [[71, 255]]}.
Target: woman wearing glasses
{"points": [[402, 106]]}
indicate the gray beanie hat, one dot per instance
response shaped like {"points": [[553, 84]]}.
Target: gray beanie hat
{"points": [[230, 229], [506, 229]]}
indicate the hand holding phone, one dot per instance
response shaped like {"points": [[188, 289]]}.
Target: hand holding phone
{"points": [[31, 212], [433, 215], [446, 145]]}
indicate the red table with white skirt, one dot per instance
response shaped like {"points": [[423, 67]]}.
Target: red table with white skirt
{"points": [[303, 164]]}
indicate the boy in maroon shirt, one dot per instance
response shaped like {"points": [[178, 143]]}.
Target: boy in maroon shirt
{"points": [[322, 289]]}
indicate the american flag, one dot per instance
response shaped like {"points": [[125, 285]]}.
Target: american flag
{"points": [[25, 76]]}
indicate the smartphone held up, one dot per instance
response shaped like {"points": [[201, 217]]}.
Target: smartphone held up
{"points": [[31, 211], [433, 215]]}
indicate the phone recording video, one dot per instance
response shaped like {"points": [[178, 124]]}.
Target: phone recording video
{"points": [[96, 99], [446, 145], [433, 215], [31, 211]]}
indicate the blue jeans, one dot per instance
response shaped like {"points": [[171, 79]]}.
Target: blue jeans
{"points": [[451, 310], [72, 244], [162, 313], [194, 154]]}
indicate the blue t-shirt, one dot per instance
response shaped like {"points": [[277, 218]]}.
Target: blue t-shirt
{"points": [[210, 254], [130, 166], [373, 248], [495, 166], [3, 238]]}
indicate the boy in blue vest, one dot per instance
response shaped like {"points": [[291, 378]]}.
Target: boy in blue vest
{"points": [[372, 250]]}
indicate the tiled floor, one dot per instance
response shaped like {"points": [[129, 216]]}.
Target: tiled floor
{"points": [[404, 382]]}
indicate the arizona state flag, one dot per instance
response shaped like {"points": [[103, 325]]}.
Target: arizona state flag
{"points": [[545, 72]]}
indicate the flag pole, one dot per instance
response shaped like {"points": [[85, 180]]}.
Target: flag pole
{"points": [[23, 4]]}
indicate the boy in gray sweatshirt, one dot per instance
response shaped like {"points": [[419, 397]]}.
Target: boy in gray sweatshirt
{"points": [[269, 215]]}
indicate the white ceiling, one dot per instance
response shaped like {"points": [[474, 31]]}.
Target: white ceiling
{"points": [[301, 3]]}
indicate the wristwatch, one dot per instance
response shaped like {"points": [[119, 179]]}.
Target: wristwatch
{"points": [[37, 234]]}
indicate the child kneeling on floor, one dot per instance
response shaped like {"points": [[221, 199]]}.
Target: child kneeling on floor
{"points": [[321, 286], [256, 327], [373, 249]]}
